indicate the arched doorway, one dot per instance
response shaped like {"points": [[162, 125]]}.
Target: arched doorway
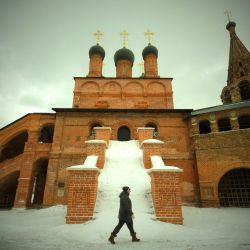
{"points": [[123, 134], [39, 180], [8, 187], [234, 188]]}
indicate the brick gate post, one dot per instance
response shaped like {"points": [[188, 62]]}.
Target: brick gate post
{"points": [[82, 193], [166, 194]]}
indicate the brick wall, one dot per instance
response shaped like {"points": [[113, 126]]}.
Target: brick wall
{"points": [[150, 149], [166, 195], [123, 93], [103, 133], [98, 148], [82, 193], [145, 134]]}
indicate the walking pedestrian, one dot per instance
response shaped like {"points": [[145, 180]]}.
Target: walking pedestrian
{"points": [[125, 216]]}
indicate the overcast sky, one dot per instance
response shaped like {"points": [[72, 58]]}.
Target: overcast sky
{"points": [[45, 43]]}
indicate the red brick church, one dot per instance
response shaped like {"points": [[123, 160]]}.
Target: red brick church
{"points": [[211, 145]]}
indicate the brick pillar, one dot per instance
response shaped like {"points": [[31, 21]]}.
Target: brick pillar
{"points": [[166, 194], [213, 123], [150, 148], [234, 121], [50, 186], [103, 133], [145, 134], [209, 194], [195, 126], [82, 192], [98, 148], [33, 137], [25, 183]]}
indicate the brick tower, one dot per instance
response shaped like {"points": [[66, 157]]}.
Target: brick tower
{"points": [[238, 80]]}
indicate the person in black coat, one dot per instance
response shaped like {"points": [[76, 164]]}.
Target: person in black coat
{"points": [[125, 216]]}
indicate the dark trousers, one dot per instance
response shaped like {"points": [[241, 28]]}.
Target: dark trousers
{"points": [[129, 223]]}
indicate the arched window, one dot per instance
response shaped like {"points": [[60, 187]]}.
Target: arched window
{"points": [[47, 133], [204, 127], [224, 124], [152, 125], [14, 147], [234, 188], [123, 133], [244, 121], [91, 129], [244, 90]]}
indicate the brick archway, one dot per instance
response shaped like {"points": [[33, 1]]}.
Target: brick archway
{"points": [[233, 188], [123, 123], [123, 134]]}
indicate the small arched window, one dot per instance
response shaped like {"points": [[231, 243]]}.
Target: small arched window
{"points": [[152, 125], [204, 127], [92, 126], [47, 133], [224, 124], [244, 90], [244, 121]]}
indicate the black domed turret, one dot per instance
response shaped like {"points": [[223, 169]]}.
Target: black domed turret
{"points": [[230, 24], [150, 49], [97, 49], [124, 54]]}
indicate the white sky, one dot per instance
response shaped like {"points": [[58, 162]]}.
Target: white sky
{"points": [[44, 44]]}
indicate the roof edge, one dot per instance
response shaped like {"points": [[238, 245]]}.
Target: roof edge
{"points": [[221, 108], [23, 118], [85, 110]]}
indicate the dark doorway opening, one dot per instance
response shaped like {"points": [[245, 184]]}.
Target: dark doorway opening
{"points": [[123, 134], [8, 187], [39, 180], [234, 188]]}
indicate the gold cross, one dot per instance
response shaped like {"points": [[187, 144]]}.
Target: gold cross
{"points": [[228, 14], [98, 35], [124, 35], [141, 65], [149, 35]]}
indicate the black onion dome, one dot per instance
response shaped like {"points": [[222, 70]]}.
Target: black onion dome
{"points": [[150, 49], [124, 54], [97, 49], [230, 24]]}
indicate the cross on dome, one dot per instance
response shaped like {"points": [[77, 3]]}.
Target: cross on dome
{"points": [[228, 14], [98, 36], [124, 35], [149, 35]]}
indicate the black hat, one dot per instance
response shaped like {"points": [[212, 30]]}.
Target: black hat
{"points": [[125, 189]]}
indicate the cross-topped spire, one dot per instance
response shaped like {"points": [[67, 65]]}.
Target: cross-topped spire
{"points": [[98, 36], [228, 14], [149, 35], [124, 35]]}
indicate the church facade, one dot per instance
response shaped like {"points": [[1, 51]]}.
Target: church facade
{"points": [[210, 145]]}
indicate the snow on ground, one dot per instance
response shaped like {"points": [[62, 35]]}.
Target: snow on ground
{"points": [[204, 228]]}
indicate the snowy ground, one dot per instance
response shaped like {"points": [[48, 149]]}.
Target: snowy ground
{"points": [[204, 228]]}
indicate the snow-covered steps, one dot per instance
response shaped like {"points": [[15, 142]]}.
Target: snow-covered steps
{"points": [[123, 167]]}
